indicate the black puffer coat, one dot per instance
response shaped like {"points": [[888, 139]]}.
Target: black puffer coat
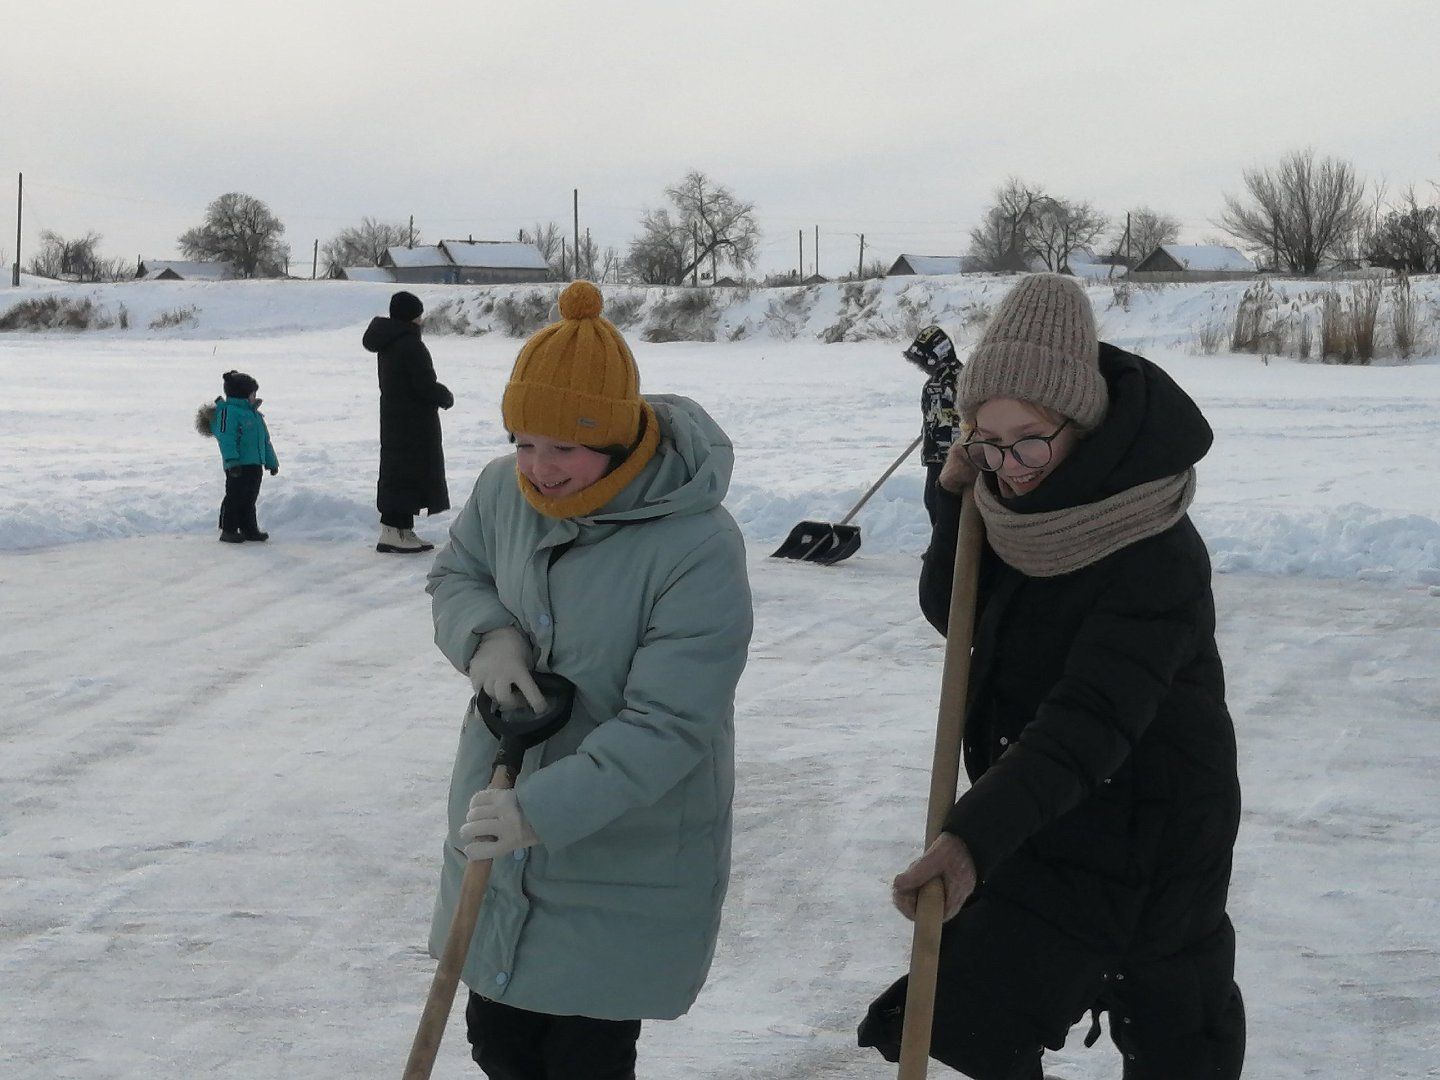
{"points": [[1104, 792], [412, 457]]}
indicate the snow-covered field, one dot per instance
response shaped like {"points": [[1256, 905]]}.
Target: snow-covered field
{"points": [[222, 770]]}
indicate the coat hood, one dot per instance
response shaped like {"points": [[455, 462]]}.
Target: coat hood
{"points": [[689, 474], [205, 418], [384, 331], [1153, 429]]}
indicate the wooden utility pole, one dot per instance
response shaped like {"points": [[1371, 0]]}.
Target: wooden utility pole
{"points": [[315, 260], [860, 273], [576, 274], [564, 258], [695, 263], [1128, 261], [800, 266], [1274, 246], [411, 242], [19, 216]]}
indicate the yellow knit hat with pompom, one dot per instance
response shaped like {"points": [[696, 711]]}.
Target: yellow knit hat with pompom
{"points": [[576, 381]]}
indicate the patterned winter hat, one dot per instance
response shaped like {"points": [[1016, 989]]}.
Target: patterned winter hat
{"points": [[576, 382], [1039, 346]]}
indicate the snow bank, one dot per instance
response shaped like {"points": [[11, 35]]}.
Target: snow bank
{"points": [[1317, 470]]}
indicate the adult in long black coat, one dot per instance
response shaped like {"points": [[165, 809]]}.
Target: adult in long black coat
{"points": [[1092, 851], [412, 455]]}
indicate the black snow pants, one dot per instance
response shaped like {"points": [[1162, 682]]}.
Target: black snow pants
{"points": [[242, 488], [514, 1044], [1011, 984]]}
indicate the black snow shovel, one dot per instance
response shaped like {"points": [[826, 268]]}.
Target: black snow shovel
{"points": [[518, 730], [826, 544]]}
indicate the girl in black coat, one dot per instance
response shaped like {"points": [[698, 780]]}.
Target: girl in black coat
{"points": [[412, 457], [1087, 865]]}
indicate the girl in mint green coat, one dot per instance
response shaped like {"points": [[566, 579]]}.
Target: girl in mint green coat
{"points": [[600, 551]]}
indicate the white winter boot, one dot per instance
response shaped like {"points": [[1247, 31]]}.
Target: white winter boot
{"points": [[395, 541], [411, 538]]}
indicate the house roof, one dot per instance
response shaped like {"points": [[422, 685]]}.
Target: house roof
{"points": [[407, 258], [939, 264], [189, 270], [366, 273], [494, 254], [1207, 256]]}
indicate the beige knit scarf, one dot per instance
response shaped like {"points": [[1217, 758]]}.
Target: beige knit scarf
{"points": [[1063, 541]]}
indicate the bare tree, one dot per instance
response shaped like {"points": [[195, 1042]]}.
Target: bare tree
{"points": [[1407, 237], [1148, 230], [1060, 228], [1002, 239], [548, 239], [704, 222], [363, 244], [76, 259], [239, 229], [1305, 210]]}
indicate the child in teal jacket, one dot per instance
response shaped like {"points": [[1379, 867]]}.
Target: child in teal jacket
{"points": [[236, 423]]}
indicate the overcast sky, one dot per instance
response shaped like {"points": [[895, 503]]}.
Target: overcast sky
{"points": [[895, 119]]}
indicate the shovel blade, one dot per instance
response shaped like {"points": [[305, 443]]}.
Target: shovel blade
{"points": [[819, 542]]}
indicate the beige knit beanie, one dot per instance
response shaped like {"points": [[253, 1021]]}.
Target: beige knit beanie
{"points": [[1039, 346]]}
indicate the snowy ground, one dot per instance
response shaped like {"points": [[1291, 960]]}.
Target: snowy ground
{"points": [[222, 770]]}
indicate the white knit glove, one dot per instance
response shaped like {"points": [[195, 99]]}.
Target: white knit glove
{"points": [[500, 669], [495, 826]]}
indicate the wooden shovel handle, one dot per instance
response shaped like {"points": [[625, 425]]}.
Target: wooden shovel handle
{"points": [[452, 960], [944, 779]]}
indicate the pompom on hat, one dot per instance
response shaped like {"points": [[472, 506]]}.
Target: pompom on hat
{"points": [[1040, 346], [576, 382]]}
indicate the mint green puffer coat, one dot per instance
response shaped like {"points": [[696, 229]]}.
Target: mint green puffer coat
{"points": [[645, 607]]}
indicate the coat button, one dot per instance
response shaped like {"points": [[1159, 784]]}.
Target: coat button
{"points": [[1004, 741], [502, 978], [544, 619], [519, 855]]}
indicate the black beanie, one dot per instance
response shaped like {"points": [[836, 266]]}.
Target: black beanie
{"points": [[238, 384], [406, 307]]}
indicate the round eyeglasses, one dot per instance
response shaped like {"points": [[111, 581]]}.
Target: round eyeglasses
{"points": [[1031, 452]]}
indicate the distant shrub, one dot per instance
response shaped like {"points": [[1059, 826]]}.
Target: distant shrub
{"points": [[56, 313], [683, 315], [181, 316], [623, 309], [449, 318], [521, 314], [1404, 319]]}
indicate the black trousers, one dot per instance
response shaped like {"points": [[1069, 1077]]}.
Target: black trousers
{"points": [[242, 488], [398, 521], [932, 480], [1010, 985], [513, 1044]]}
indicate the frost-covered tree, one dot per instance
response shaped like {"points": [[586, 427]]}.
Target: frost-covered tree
{"points": [[1407, 237], [76, 259], [704, 224], [1306, 209], [1059, 228], [363, 244], [241, 230], [1148, 230], [1002, 240]]}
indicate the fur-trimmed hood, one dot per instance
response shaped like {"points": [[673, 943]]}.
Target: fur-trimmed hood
{"points": [[205, 419]]}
